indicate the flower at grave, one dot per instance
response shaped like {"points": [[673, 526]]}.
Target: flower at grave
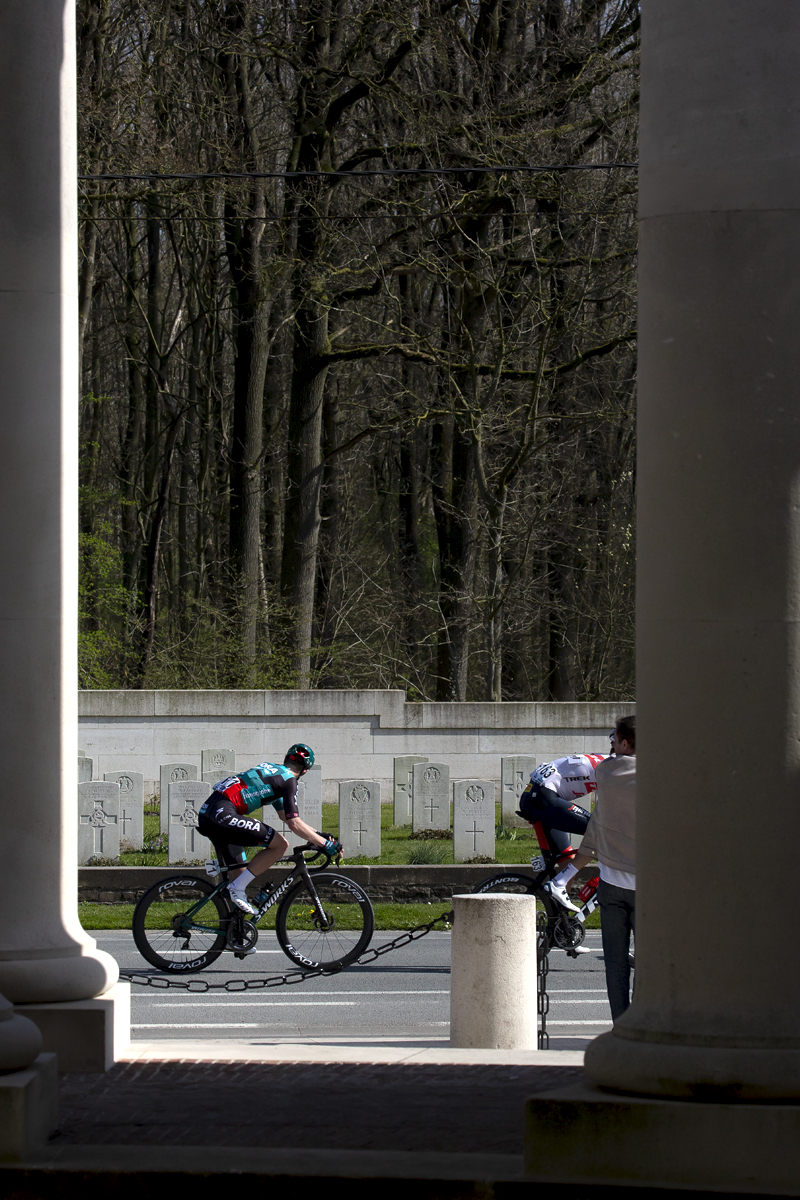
{"points": [[360, 794], [98, 817], [475, 793], [188, 816], [431, 775]]}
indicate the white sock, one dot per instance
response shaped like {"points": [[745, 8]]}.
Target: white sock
{"points": [[241, 881], [563, 878]]}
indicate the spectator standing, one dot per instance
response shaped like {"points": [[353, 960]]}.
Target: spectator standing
{"points": [[611, 838]]}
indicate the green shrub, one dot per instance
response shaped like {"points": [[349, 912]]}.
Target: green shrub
{"points": [[425, 854]]}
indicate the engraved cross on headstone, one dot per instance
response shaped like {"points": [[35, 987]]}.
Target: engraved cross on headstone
{"points": [[431, 808], [187, 818], [360, 831], [474, 834], [98, 819]]}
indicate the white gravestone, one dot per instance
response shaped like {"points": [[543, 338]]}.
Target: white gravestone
{"points": [[431, 796], [131, 807], [185, 800], [217, 765], [473, 819], [360, 818], [98, 821], [403, 787], [515, 775], [85, 766], [172, 773], [309, 804]]}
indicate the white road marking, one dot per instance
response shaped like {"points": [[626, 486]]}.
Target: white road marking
{"points": [[271, 1003], [399, 994], [559, 1003], [199, 1025], [569, 1024]]}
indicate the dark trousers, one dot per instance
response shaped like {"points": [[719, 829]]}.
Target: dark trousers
{"points": [[617, 923]]}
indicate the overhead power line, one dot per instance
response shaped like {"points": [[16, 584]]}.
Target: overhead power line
{"points": [[542, 168]]}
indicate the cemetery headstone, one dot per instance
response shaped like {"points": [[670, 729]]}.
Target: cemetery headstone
{"points": [[81, 754], [98, 821], [85, 768], [309, 802], [473, 819], [403, 787], [515, 774], [172, 773], [360, 817], [185, 799], [131, 807], [216, 765], [431, 796]]}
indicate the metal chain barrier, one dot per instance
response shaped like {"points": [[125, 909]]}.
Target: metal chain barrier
{"points": [[298, 975], [542, 970]]}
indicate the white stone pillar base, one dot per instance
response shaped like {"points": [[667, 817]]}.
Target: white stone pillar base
{"points": [[702, 1072], [28, 1109], [87, 1035], [585, 1136], [59, 975], [493, 973], [20, 1040]]}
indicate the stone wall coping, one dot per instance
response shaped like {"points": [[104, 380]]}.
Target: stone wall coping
{"points": [[133, 878], [389, 708]]}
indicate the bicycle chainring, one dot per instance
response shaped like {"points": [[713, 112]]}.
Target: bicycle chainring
{"points": [[242, 936]]}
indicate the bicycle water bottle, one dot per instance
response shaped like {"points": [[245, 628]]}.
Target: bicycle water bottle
{"points": [[261, 896], [589, 889]]}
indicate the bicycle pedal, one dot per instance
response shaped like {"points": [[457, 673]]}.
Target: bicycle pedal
{"points": [[244, 953]]}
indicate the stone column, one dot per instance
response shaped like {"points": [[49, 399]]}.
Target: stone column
{"points": [[44, 953], [718, 606], [712, 1032]]}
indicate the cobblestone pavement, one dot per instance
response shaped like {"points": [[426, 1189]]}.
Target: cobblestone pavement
{"points": [[355, 1106]]}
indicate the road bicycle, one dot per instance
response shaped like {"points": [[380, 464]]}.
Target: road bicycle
{"points": [[565, 929], [184, 924]]}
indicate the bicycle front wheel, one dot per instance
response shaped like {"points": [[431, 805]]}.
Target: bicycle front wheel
{"points": [[166, 920], [329, 930]]}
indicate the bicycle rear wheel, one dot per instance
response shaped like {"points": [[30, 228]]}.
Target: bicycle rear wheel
{"points": [[521, 885], [517, 885], [158, 924], [331, 933]]}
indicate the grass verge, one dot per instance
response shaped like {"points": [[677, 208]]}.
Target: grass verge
{"points": [[387, 916]]}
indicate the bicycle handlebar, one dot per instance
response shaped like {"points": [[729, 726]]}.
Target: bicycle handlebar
{"points": [[298, 855]]}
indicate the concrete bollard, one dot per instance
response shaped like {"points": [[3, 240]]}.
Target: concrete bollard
{"points": [[493, 973]]}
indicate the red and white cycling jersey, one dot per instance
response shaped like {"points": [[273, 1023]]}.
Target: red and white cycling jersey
{"points": [[569, 777]]}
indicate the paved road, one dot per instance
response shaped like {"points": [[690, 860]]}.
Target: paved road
{"points": [[403, 996]]}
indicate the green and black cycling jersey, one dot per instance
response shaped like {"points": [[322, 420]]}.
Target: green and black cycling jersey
{"points": [[268, 783], [225, 818]]}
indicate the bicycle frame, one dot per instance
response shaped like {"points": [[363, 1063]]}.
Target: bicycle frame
{"points": [[556, 913], [300, 869]]}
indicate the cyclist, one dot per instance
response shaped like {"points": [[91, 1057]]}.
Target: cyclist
{"points": [[549, 803], [226, 821]]}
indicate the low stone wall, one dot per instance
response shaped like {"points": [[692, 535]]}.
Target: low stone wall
{"points": [[355, 734], [401, 884]]}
